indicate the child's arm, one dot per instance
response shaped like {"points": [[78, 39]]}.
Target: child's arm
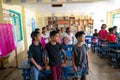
{"points": [[34, 63], [63, 52], [87, 59], [45, 60], [45, 57], [73, 40], [73, 63]]}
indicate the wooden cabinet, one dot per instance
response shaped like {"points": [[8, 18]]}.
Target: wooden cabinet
{"points": [[68, 21]]}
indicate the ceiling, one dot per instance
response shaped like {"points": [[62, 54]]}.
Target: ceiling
{"points": [[16, 2], [80, 8]]}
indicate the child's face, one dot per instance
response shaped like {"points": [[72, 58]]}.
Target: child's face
{"points": [[62, 29], [81, 38], [104, 27], [38, 37], [39, 31], [45, 30], [113, 31], [48, 28], [65, 40], [55, 37], [60, 32]]}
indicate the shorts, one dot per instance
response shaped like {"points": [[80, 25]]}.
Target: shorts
{"points": [[81, 70]]}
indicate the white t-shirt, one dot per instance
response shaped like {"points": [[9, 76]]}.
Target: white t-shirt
{"points": [[69, 37], [63, 34], [46, 36]]}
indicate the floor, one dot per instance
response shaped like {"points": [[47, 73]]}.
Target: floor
{"points": [[99, 69]]}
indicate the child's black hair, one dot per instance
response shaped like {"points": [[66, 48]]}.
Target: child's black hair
{"points": [[37, 29], [95, 29], [58, 31], [67, 29], [114, 27], [110, 29], [34, 34], [79, 33], [53, 33]]}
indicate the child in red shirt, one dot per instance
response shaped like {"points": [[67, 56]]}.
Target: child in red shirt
{"points": [[103, 33], [111, 37]]}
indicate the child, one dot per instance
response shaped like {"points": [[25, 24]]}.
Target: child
{"points": [[63, 32], [115, 29], [69, 35], [35, 56], [42, 41], [111, 36], [45, 35], [95, 33], [55, 62], [95, 36], [103, 33], [59, 37], [80, 57], [48, 27]]}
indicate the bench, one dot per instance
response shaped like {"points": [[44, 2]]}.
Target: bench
{"points": [[67, 71], [115, 57], [25, 67]]}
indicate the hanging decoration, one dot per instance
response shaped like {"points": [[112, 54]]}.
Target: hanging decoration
{"points": [[7, 44]]}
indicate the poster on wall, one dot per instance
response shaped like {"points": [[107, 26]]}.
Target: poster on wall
{"points": [[6, 15], [33, 23]]}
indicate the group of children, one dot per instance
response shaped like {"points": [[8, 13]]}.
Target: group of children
{"points": [[51, 48], [104, 36]]}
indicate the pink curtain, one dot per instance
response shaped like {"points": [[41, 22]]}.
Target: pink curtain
{"points": [[7, 44]]}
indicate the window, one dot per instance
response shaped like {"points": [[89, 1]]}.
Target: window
{"points": [[116, 20], [15, 19]]}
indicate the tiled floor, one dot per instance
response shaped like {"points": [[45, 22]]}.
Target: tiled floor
{"points": [[99, 69]]}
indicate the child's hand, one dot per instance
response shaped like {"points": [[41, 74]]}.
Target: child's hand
{"points": [[47, 67], [39, 67], [63, 64], [75, 68], [88, 68]]}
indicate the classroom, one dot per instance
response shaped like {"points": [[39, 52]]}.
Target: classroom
{"points": [[59, 40]]}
